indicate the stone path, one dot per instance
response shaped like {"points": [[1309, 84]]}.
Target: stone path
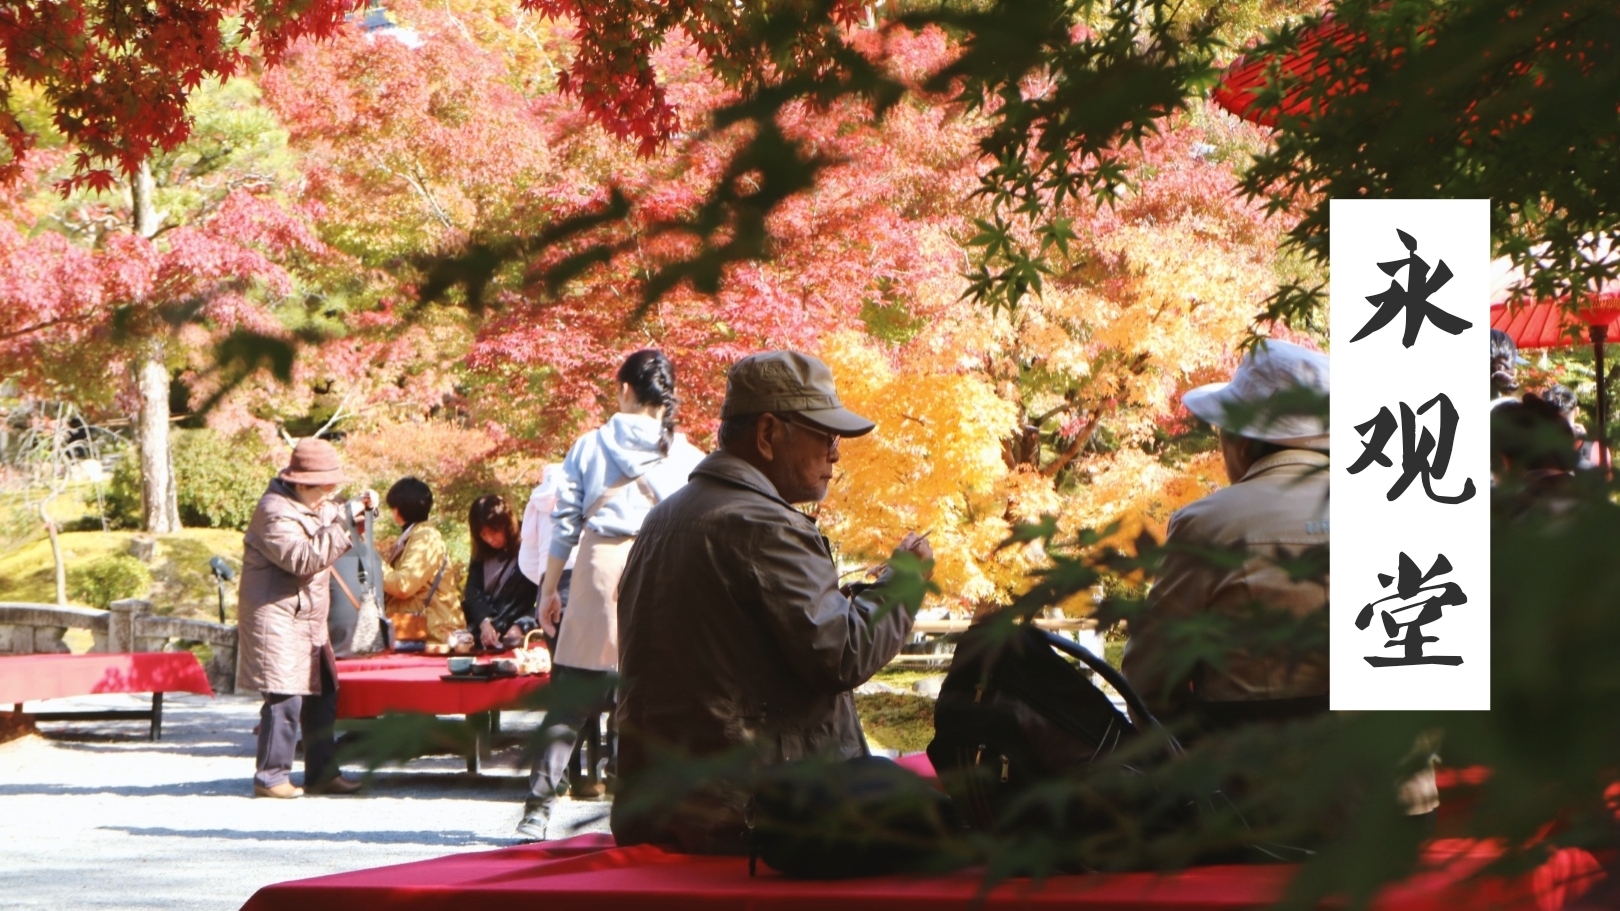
{"points": [[92, 815]]}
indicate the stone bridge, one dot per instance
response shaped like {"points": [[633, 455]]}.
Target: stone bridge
{"points": [[127, 626]]}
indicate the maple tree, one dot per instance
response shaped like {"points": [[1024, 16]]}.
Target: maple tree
{"points": [[106, 301], [1154, 296], [1063, 92], [864, 268], [414, 148], [117, 76], [1470, 99]]}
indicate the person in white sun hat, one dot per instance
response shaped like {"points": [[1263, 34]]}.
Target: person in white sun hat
{"points": [[1272, 422]]}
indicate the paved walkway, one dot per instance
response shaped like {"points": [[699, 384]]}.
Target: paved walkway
{"points": [[92, 815]]}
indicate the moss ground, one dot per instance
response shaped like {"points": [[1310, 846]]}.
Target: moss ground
{"points": [[182, 584]]}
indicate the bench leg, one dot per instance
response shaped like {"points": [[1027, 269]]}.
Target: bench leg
{"points": [[482, 725], [157, 717]]}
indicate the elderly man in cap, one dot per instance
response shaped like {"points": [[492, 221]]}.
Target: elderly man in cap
{"points": [[1275, 509], [735, 635]]}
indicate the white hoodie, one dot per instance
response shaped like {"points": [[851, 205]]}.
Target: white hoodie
{"points": [[625, 447]]}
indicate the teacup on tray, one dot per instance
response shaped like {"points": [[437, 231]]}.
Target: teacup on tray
{"points": [[460, 665]]}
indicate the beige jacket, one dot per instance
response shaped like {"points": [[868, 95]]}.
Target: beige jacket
{"points": [[409, 578], [283, 596], [734, 639], [1277, 510]]}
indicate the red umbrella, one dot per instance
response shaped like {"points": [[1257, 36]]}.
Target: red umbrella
{"points": [[1544, 323], [1241, 82], [1547, 323]]}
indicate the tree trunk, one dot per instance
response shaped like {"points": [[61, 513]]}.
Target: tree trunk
{"points": [[160, 508], [56, 551], [160, 511], [143, 209]]}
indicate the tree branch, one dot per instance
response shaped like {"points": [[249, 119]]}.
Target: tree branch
{"points": [[61, 320], [1080, 441], [337, 414]]}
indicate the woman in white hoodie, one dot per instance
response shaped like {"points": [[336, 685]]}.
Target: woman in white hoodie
{"points": [[612, 477]]}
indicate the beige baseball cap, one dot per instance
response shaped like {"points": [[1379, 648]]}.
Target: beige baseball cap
{"points": [[1261, 401], [789, 381]]}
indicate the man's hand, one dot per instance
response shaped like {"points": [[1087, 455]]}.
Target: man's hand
{"points": [[487, 637], [917, 545]]}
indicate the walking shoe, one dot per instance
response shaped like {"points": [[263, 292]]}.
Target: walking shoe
{"points": [[586, 789], [533, 825], [282, 791], [334, 786]]}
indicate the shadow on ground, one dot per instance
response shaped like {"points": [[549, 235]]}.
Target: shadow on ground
{"points": [[422, 785], [222, 787], [451, 839]]}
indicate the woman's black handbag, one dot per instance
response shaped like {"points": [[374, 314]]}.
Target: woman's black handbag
{"points": [[356, 591]]}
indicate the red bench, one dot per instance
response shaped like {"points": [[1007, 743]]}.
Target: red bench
{"points": [[30, 678], [588, 873], [369, 687]]}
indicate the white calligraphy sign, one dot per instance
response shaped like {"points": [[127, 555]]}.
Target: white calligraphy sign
{"points": [[1410, 622]]}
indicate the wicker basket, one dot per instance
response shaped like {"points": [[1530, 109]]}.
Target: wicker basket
{"points": [[536, 660]]}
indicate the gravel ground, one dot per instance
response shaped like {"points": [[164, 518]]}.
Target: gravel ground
{"points": [[93, 815]]}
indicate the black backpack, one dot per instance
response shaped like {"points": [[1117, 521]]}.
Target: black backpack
{"points": [[1013, 713]]}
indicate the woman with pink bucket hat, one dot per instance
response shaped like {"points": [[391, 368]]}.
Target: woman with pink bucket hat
{"points": [[294, 537]]}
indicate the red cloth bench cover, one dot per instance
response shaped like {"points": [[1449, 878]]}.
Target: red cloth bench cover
{"points": [[587, 873], [25, 678], [417, 688], [387, 661]]}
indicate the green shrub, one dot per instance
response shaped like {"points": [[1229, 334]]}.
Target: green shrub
{"points": [[121, 499], [101, 582], [218, 480]]}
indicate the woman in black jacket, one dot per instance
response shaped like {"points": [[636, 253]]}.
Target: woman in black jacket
{"points": [[499, 600]]}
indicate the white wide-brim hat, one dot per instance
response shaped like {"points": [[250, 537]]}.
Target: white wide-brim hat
{"points": [[1273, 397]]}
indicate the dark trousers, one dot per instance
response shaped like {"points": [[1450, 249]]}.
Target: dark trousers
{"points": [[279, 720], [581, 695]]}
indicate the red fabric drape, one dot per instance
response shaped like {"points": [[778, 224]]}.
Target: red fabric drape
{"points": [[28, 677], [588, 873]]}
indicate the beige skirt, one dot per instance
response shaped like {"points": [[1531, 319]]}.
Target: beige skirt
{"points": [[588, 637]]}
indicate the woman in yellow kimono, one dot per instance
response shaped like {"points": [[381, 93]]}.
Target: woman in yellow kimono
{"points": [[421, 587]]}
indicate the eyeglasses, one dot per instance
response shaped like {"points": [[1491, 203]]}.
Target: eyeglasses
{"points": [[831, 438]]}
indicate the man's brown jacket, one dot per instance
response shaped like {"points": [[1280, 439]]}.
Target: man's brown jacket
{"points": [[734, 641]]}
